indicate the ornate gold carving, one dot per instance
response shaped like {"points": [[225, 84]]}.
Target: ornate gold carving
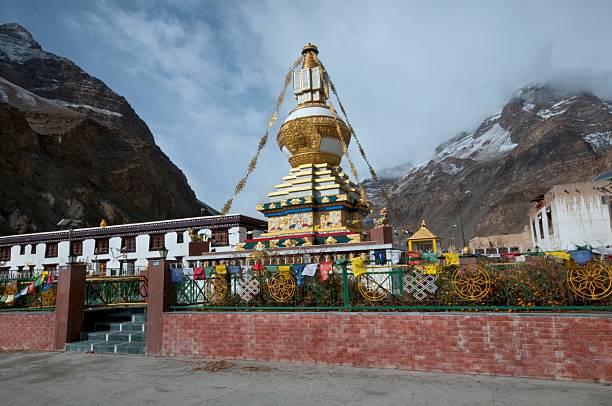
{"points": [[354, 238], [307, 241], [273, 243], [308, 199], [290, 243], [283, 203], [302, 137], [325, 199], [259, 246], [295, 201], [317, 157], [240, 246], [330, 240], [260, 207]]}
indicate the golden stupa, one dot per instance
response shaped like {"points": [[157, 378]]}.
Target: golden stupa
{"points": [[316, 203], [310, 133]]}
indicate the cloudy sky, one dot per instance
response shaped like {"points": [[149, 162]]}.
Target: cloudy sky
{"points": [[205, 75]]}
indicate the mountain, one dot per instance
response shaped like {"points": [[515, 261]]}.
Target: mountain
{"points": [[70, 147], [543, 136]]}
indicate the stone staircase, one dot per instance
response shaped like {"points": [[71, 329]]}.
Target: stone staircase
{"points": [[121, 333]]}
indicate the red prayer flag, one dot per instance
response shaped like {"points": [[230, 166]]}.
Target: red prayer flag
{"points": [[324, 268], [198, 273]]}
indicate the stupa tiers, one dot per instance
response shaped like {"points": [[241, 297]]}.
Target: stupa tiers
{"points": [[316, 203]]}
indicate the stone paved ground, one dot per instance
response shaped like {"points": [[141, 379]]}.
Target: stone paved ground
{"points": [[46, 378]]}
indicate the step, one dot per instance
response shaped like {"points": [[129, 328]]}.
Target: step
{"points": [[139, 317], [132, 348], [124, 336], [82, 346], [120, 317], [107, 347], [129, 326]]}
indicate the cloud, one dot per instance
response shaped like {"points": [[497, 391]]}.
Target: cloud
{"points": [[411, 74]]}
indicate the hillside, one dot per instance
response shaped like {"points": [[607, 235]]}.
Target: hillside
{"points": [[71, 147], [542, 137]]}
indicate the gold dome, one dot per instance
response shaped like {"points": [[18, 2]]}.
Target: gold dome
{"points": [[310, 134]]}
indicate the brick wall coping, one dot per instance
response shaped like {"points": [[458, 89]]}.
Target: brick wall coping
{"points": [[31, 312], [439, 314]]}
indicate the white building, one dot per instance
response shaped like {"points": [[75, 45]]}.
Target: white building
{"points": [[571, 215], [121, 249]]}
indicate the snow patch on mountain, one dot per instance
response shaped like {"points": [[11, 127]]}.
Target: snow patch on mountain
{"points": [[88, 107], [599, 140], [493, 143], [17, 45]]}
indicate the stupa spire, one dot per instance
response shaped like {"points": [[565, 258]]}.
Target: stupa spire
{"points": [[310, 82]]}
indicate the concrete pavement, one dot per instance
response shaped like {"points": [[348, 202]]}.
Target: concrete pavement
{"points": [[96, 379]]}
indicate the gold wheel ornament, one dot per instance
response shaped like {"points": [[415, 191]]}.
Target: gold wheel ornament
{"points": [[48, 298], [593, 281], [471, 283], [281, 286], [215, 289], [370, 289]]}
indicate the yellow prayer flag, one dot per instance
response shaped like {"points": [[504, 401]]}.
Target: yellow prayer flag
{"points": [[358, 266], [284, 268], [220, 269], [559, 254], [452, 258]]}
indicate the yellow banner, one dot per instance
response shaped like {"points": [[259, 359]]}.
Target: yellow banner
{"points": [[220, 269], [358, 266], [451, 258], [559, 254], [428, 269], [284, 269]]}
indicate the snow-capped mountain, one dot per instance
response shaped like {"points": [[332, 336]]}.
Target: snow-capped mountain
{"points": [[72, 147], [542, 136]]}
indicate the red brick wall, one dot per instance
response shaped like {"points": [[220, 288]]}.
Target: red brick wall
{"points": [[26, 331], [542, 346]]}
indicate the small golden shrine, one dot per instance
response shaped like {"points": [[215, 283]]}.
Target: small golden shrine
{"points": [[424, 240], [316, 203]]}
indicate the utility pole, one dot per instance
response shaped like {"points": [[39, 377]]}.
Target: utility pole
{"points": [[462, 193]]}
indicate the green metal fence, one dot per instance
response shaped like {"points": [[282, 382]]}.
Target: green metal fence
{"points": [[115, 291], [526, 287]]}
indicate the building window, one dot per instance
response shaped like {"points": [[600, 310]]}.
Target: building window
{"points": [[50, 267], [102, 268], [220, 238], [22, 249], [535, 234], [549, 220], [156, 242], [51, 250], [5, 253], [180, 237], [76, 247], [128, 244], [101, 246]]}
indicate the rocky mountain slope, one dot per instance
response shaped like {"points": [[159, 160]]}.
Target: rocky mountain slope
{"points": [[542, 137], [71, 147]]}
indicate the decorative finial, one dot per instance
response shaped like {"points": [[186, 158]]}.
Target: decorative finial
{"points": [[310, 47], [310, 52], [423, 223]]}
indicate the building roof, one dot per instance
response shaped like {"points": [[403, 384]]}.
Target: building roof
{"points": [[123, 230], [423, 233]]}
